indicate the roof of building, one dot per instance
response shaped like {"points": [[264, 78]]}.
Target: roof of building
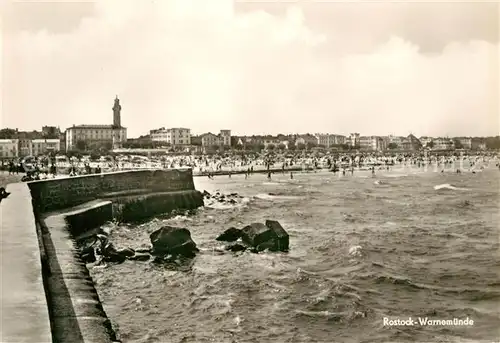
{"points": [[94, 126], [207, 134], [45, 140], [162, 129]]}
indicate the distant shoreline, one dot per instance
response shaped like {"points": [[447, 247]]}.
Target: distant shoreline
{"points": [[255, 171]]}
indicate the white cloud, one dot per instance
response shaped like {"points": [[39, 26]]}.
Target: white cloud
{"points": [[177, 63]]}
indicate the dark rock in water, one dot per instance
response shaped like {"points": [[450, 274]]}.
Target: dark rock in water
{"points": [[87, 245], [91, 238], [282, 238], [89, 257], [256, 233], [128, 252], [158, 259], [236, 247], [114, 257], [271, 236], [206, 194], [232, 201], [234, 194], [143, 251], [269, 245], [140, 257], [230, 235], [110, 254], [169, 240]]}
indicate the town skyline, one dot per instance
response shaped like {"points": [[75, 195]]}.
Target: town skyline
{"points": [[254, 68], [260, 134]]}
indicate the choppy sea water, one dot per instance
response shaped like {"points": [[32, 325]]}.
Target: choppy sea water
{"points": [[362, 248]]}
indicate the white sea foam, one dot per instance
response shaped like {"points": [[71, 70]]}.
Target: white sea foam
{"points": [[448, 186], [396, 175], [270, 197], [271, 183], [355, 250]]}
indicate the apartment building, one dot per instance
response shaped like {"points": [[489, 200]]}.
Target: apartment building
{"points": [[353, 139], [442, 144], [45, 146], [327, 140], [9, 148], [211, 139], [372, 143], [225, 137], [172, 136]]}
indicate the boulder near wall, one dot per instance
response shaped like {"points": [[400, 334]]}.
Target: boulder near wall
{"points": [[169, 240], [270, 235]]}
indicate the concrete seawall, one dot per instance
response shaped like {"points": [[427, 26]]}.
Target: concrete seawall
{"points": [[76, 312], [55, 194], [57, 210]]}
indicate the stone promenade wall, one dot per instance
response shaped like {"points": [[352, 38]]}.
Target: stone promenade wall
{"points": [[56, 194], [67, 207]]}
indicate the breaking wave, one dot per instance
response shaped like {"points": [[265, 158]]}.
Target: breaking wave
{"points": [[448, 186]]}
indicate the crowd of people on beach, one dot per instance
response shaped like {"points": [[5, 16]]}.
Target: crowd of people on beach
{"points": [[248, 164]]}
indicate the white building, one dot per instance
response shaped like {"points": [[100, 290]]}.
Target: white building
{"points": [[158, 135], [209, 139], [323, 139], [442, 144], [327, 140], [373, 143], [45, 146], [94, 135], [222, 139], [273, 141], [173, 136], [397, 140], [179, 136], [9, 148]]}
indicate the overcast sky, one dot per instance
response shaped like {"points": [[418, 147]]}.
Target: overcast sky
{"points": [[262, 67]]}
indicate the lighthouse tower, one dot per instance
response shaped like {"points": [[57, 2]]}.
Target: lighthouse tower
{"points": [[117, 127]]}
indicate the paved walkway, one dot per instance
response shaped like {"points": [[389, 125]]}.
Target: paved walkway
{"points": [[24, 313]]}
